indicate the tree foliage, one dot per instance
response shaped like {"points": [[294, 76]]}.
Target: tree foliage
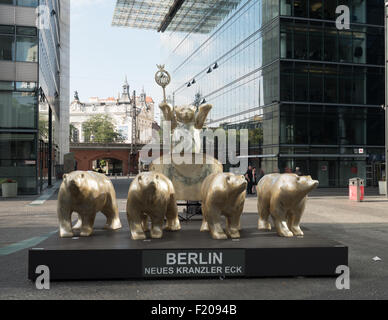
{"points": [[43, 130], [256, 136], [101, 129]]}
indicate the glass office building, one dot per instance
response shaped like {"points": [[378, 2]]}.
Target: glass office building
{"points": [[30, 75], [310, 94]]}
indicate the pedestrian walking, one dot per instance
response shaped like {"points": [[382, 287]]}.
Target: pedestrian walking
{"points": [[249, 178], [254, 180]]}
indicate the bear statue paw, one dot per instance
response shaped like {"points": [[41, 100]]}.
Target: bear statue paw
{"points": [[66, 234], [86, 232], [264, 225], [138, 236], [116, 224], [204, 226], [174, 226], [234, 233], [219, 236], [156, 233], [285, 233], [297, 231]]}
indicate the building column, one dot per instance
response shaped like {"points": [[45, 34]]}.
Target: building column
{"points": [[50, 148], [64, 103]]}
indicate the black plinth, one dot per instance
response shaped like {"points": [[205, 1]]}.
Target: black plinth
{"points": [[108, 255]]}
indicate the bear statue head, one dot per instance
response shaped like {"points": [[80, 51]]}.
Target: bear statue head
{"points": [[236, 183], [76, 182], [185, 114], [301, 185], [148, 181]]}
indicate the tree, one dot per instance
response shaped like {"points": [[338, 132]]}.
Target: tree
{"points": [[256, 136], [43, 130], [100, 129]]}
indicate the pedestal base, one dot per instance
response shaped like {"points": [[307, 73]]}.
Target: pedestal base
{"points": [[108, 255]]}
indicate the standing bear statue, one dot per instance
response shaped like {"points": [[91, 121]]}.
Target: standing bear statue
{"points": [[151, 195], [186, 126], [86, 193], [283, 197], [223, 194]]}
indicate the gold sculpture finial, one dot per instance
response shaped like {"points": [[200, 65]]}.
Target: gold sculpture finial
{"points": [[163, 79]]}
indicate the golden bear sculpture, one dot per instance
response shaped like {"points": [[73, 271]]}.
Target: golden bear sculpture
{"points": [[223, 194], [151, 195], [86, 193], [186, 125], [283, 197]]}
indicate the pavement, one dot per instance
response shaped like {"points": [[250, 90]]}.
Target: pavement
{"points": [[363, 227]]}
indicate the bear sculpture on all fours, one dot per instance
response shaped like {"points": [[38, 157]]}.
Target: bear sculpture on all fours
{"points": [[223, 194], [283, 197], [86, 193], [151, 195]]}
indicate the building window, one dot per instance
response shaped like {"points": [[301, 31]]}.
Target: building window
{"points": [[19, 46], [22, 3], [18, 110], [316, 9], [18, 160], [317, 41], [7, 47], [9, 2], [18, 105], [26, 49], [286, 7], [7, 85], [28, 3], [75, 135], [300, 8], [26, 86]]}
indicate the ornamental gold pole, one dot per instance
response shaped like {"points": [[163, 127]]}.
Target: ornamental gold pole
{"points": [[163, 79]]}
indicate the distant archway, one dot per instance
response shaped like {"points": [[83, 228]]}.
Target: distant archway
{"points": [[110, 166], [87, 155]]}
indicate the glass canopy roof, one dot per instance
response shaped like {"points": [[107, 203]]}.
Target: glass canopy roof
{"points": [[197, 16]]}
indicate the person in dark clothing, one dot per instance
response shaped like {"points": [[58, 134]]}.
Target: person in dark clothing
{"points": [[254, 180], [249, 178]]}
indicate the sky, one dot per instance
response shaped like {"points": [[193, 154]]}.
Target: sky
{"points": [[101, 55]]}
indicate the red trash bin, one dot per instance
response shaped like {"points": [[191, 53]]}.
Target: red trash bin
{"points": [[356, 189]]}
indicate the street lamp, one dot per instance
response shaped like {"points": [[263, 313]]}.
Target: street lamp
{"points": [[386, 95]]}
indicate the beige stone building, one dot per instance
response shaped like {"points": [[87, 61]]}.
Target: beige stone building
{"points": [[120, 110]]}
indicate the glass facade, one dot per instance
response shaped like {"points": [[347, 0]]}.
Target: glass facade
{"points": [[18, 134], [23, 136], [18, 159], [18, 44], [310, 93]]}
